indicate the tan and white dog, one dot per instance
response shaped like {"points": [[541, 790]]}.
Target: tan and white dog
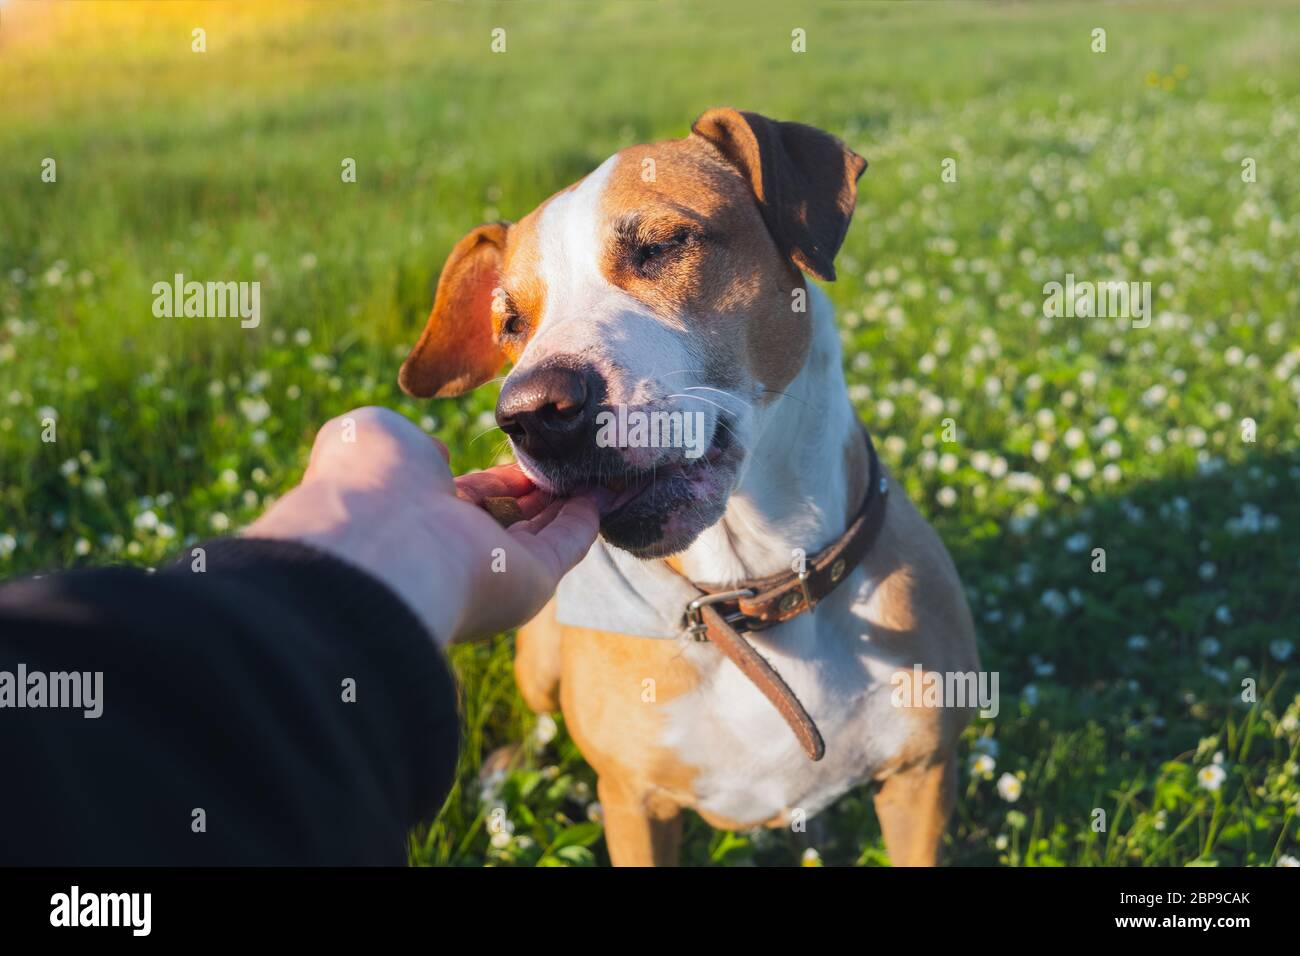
{"points": [[666, 280]]}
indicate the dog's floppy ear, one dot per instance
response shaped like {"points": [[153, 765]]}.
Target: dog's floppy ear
{"points": [[805, 181], [458, 350]]}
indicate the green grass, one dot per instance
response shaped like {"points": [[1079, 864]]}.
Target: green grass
{"points": [[1119, 689]]}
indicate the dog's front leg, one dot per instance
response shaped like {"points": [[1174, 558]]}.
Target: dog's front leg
{"points": [[641, 828], [913, 806]]}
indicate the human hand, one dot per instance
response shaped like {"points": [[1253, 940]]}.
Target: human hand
{"points": [[378, 493]]}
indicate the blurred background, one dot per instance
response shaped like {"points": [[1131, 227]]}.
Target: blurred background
{"points": [[1121, 691]]}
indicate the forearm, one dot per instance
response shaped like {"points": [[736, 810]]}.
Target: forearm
{"points": [[276, 706]]}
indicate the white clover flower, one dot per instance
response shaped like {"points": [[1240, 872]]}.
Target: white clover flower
{"points": [[68, 468], [1009, 787], [1055, 602], [946, 496], [1162, 819], [256, 410], [1024, 482], [501, 840], [219, 522], [595, 812], [810, 858], [982, 765], [1061, 483], [146, 520], [1111, 474], [258, 381], [1001, 842], [1040, 451], [1287, 860], [545, 730], [1211, 777], [95, 486], [82, 547]]}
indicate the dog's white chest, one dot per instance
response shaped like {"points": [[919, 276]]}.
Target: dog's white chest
{"points": [[750, 767]]}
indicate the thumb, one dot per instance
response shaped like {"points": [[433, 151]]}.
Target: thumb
{"points": [[562, 534]]}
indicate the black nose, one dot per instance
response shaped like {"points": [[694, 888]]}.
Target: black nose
{"points": [[550, 411]]}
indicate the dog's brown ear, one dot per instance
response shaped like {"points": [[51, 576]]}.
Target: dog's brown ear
{"points": [[458, 350], [805, 181]]}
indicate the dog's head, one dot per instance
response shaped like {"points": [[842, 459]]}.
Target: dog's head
{"points": [[651, 310]]}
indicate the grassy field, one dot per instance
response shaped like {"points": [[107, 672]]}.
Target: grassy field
{"points": [[1122, 691]]}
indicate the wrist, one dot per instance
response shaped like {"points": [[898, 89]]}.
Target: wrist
{"points": [[405, 548]]}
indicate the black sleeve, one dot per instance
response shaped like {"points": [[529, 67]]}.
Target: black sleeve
{"points": [[277, 707]]}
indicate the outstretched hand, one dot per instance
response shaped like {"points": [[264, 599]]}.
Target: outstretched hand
{"points": [[379, 494]]}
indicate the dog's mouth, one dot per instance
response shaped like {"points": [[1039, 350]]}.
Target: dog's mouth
{"points": [[658, 511], [630, 485]]}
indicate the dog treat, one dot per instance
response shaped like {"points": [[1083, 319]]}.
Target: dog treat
{"points": [[504, 508]]}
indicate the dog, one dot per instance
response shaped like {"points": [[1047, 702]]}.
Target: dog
{"points": [[672, 279]]}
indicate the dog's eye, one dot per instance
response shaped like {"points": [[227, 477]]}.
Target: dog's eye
{"points": [[513, 325], [650, 251], [648, 254]]}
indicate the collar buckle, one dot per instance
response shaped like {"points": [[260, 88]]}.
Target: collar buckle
{"points": [[809, 602], [695, 611]]}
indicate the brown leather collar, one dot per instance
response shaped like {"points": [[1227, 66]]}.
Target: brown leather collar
{"points": [[721, 616]]}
